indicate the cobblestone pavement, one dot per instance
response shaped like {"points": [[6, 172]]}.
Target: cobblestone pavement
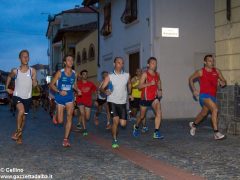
{"points": [[42, 152]]}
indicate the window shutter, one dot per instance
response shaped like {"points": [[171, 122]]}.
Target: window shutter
{"points": [[107, 25]]}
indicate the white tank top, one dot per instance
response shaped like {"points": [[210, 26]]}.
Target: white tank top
{"points": [[23, 84], [119, 83]]}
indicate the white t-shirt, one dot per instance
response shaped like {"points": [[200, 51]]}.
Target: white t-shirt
{"points": [[23, 84], [119, 92]]}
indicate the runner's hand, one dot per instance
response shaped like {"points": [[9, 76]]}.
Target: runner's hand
{"points": [[152, 83], [131, 97], [79, 92], [222, 83], [63, 93], [196, 93], [159, 93], [108, 92]]}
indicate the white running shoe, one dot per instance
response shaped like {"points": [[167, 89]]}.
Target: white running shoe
{"points": [[218, 136], [192, 129]]}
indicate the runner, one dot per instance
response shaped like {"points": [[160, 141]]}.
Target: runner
{"points": [[44, 97], [118, 84], [25, 78], [64, 96], [52, 105], [11, 103], [84, 101], [135, 99], [36, 97], [150, 84], [209, 77], [102, 101]]}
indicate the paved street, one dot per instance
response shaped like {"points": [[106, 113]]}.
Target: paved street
{"points": [[177, 156]]}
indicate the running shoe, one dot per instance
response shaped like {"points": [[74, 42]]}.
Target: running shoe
{"points": [[109, 126], [85, 132], [144, 129], [79, 126], [136, 132], [218, 136], [157, 135], [66, 143], [192, 129], [115, 144]]}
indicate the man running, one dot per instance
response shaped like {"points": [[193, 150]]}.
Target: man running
{"points": [[117, 96], [11, 103], [25, 78], [64, 96], [36, 97], [135, 99], [84, 101], [209, 77], [102, 101], [150, 84]]}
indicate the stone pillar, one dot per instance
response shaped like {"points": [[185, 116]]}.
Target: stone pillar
{"points": [[227, 43], [228, 100]]}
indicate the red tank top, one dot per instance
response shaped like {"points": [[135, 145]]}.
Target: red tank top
{"points": [[209, 82], [150, 92]]}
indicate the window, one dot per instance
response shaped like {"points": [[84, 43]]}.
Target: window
{"points": [[91, 52], [84, 56], [78, 58], [130, 13], [107, 25]]}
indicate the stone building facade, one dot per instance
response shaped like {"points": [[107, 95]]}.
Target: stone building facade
{"points": [[227, 43]]}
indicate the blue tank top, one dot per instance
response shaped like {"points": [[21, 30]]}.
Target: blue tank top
{"points": [[65, 83]]}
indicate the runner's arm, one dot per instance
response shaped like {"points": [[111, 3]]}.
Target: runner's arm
{"points": [[222, 81], [104, 84], [194, 76], [142, 83], [54, 80], [159, 85], [75, 87], [9, 78], [34, 77], [129, 86]]}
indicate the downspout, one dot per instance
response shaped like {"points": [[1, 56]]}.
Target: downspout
{"points": [[151, 27]]}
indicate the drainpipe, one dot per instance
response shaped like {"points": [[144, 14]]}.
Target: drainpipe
{"points": [[150, 21]]}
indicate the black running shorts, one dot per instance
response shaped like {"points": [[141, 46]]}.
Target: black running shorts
{"points": [[119, 110]]}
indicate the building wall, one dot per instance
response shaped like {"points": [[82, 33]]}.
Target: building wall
{"points": [[65, 20], [75, 19], [91, 66], [125, 39], [228, 40], [177, 58]]}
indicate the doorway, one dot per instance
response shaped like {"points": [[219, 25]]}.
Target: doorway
{"points": [[134, 63]]}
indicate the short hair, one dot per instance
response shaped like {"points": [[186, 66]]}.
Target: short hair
{"points": [[67, 55], [23, 51], [103, 72], [84, 70], [207, 56], [150, 59], [118, 57]]}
